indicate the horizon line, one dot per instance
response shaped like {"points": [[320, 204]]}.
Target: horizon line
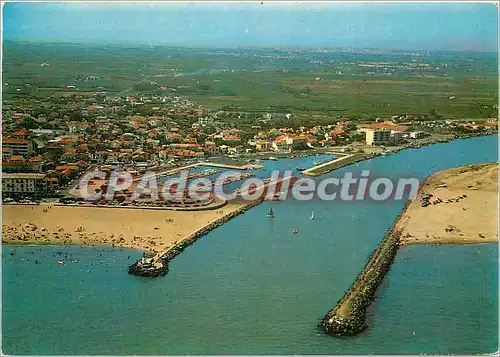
{"points": [[236, 47]]}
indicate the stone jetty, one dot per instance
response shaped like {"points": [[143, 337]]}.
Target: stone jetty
{"points": [[158, 265], [336, 163], [347, 318], [148, 268]]}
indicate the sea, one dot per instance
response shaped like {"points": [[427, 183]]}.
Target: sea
{"points": [[253, 287]]}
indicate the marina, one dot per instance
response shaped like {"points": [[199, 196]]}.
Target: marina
{"points": [[286, 263], [214, 178], [174, 171]]}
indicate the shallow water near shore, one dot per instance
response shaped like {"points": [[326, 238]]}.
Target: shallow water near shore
{"points": [[252, 287]]}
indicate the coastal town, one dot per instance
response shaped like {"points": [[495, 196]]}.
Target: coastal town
{"points": [[302, 178], [47, 152], [47, 146]]}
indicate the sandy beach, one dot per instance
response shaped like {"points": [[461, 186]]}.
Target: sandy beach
{"points": [[151, 230], [458, 205]]}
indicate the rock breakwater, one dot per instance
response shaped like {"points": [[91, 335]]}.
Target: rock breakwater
{"points": [[347, 318], [160, 263]]}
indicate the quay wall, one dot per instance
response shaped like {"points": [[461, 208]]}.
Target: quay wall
{"points": [[326, 168], [357, 157], [176, 170]]}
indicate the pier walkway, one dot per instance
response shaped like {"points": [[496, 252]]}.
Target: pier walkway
{"points": [[318, 170]]}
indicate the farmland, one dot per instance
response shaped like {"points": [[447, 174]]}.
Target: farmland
{"points": [[308, 83]]}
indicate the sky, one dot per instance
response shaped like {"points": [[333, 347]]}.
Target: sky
{"points": [[393, 26]]}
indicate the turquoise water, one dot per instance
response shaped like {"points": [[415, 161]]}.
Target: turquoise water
{"points": [[252, 287], [286, 163]]}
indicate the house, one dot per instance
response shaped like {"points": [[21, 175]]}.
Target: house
{"points": [[281, 143], [153, 142], [387, 125], [185, 146], [418, 134], [70, 155], [93, 108], [263, 145], [297, 141], [21, 133], [173, 138], [211, 149], [205, 121], [99, 156], [329, 135], [235, 149], [231, 138], [312, 141], [76, 127], [190, 141]]}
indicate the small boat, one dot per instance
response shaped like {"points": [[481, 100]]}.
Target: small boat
{"points": [[295, 231], [61, 261], [300, 168], [272, 158], [270, 214], [312, 215]]}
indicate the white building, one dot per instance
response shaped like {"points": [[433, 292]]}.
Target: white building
{"points": [[377, 137], [418, 134], [23, 183], [205, 121], [396, 136], [282, 145]]}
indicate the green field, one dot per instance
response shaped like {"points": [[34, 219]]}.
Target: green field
{"points": [[301, 82]]}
